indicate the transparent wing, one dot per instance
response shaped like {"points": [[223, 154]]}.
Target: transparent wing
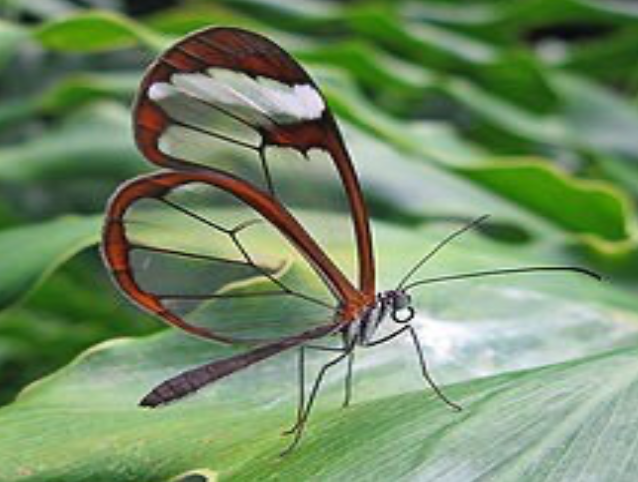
{"points": [[231, 100], [189, 246]]}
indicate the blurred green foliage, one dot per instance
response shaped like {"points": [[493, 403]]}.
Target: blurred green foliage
{"points": [[522, 109]]}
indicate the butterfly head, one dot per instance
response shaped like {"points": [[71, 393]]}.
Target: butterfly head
{"points": [[399, 305]]}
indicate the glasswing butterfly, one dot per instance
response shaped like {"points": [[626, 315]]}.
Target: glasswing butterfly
{"points": [[241, 130]]}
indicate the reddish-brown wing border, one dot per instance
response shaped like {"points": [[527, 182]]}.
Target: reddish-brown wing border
{"points": [[254, 55], [116, 247]]}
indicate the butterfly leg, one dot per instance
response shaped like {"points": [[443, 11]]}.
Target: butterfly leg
{"points": [[424, 368], [388, 337], [349, 371], [313, 395], [302, 382], [348, 380], [426, 373], [301, 368]]}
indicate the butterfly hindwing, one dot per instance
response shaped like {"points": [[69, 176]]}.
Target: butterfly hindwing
{"points": [[189, 247]]}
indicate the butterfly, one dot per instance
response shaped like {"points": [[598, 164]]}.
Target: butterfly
{"points": [[228, 114]]}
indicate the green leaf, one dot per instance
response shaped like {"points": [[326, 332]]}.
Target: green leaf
{"points": [[35, 251], [11, 37], [80, 89], [82, 423], [428, 44], [92, 142], [369, 66], [183, 19], [97, 31], [579, 206], [71, 310], [574, 206], [435, 141], [620, 171], [515, 19], [41, 9], [451, 14], [557, 423], [507, 117], [519, 77], [302, 12], [596, 118], [613, 8], [71, 92], [598, 58]]}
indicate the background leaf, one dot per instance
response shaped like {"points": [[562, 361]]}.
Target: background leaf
{"points": [[42, 248], [90, 406], [96, 31], [522, 110]]}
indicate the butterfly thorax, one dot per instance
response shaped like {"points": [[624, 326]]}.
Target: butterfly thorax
{"points": [[394, 305]]}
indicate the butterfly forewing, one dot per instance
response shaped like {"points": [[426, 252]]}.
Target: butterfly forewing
{"points": [[231, 100], [185, 247]]}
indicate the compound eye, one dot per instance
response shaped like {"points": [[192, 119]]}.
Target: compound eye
{"points": [[401, 301], [404, 315]]}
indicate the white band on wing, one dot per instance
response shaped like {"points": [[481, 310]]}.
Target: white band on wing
{"points": [[258, 101]]}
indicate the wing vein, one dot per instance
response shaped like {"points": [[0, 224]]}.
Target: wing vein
{"points": [[274, 280], [186, 254], [180, 296], [214, 134], [194, 215]]}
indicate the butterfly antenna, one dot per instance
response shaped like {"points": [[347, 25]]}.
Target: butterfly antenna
{"points": [[448, 239], [504, 271]]}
